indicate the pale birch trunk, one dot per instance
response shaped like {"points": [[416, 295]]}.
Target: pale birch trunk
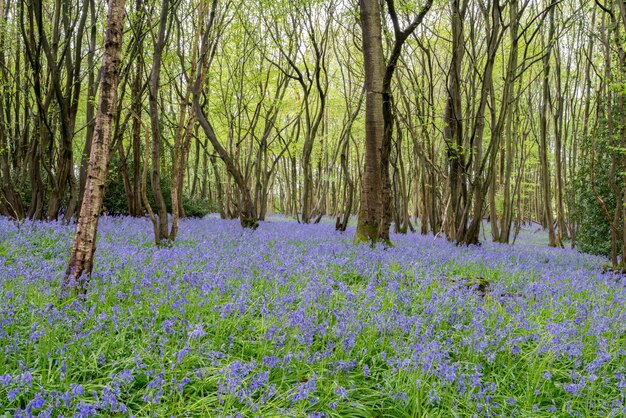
{"points": [[81, 262]]}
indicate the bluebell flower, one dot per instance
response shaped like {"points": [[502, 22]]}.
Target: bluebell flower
{"points": [[26, 379], [341, 392], [77, 390], [197, 332], [5, 379], [38, 402]]}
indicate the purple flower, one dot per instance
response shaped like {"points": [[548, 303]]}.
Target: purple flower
{"points": [[341, 392], [575, 388], [5, 379], [197, 332], [77, 390], [38, 402], [271, 361], [180, 355], [85, 410], [26, 379], [12, 394], [125, 376], [289, 301], [305, 389]]}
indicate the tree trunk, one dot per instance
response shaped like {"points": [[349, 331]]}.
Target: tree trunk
{"points": [[155, 123], [136, 107], [370, 205], [92, 87], [561, 232], [10, 202], [543, 138], [81, 261], [376, 195], [247, 210], [455, 226]]}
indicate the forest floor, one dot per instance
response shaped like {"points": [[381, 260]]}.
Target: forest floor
{"points": [[296, 320]]}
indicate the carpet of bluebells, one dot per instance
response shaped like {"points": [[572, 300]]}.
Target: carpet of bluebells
{"points": [[296, 320]]}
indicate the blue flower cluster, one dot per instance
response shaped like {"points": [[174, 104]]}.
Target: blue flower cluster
{"points": [[297, 320]]}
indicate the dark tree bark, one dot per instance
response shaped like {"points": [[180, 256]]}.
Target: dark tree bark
{"points": [[484, 163], [454, 224], [135, 207], [505, 123], [400, 37], [155, 125], [10, 201], [67, 97]]}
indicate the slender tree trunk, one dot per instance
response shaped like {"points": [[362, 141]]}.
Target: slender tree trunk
{"points": [[455, 226], [561, 232], [543, 138], [136, 108], [484, 169], [10, 202], [376, 195], [81, 261], [400, 36], [246, 208], [342, 224], [92, 87], [219, 191], [155, 123]]}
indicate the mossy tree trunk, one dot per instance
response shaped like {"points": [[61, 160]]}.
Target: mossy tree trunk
{"points": [[376, 198], [371, 207]]}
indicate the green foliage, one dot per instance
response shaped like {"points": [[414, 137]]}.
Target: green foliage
{"points": [[115, 199], [197, 207], [594, 235]]}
